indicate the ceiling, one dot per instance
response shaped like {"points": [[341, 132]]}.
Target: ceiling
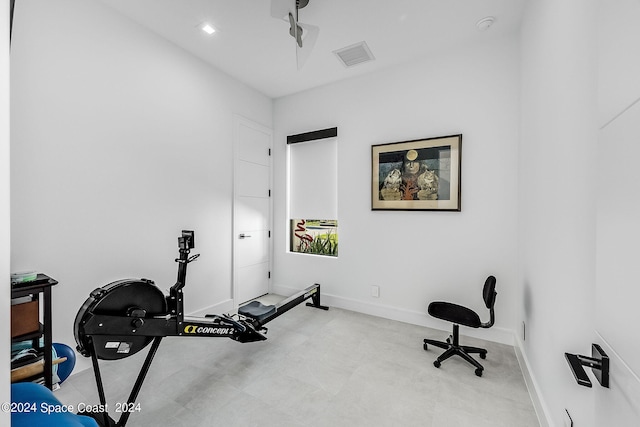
{"points": [[257, 49]]}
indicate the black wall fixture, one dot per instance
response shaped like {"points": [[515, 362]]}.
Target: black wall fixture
{"points": [[312, 136], [598, 362]]}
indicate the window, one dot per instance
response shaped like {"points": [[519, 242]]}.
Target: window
{"points": [[313, 189]]}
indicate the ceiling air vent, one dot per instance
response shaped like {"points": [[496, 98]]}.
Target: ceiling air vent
{"points": [[354, 54]]}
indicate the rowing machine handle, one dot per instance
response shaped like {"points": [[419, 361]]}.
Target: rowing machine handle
{"points": [[227, 320]]}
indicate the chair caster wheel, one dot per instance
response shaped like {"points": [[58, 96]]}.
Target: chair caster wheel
{"points": [[436, 363], [479, 372], [425, 346], [483, 355]]}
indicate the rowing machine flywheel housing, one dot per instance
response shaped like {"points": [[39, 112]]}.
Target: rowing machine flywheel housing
{"points": [[128, 297]]}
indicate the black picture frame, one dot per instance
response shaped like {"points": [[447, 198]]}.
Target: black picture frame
{"points": [[422, 174]]}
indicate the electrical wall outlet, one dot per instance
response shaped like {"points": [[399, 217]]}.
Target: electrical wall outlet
{"points": [[375, 291], [568, 422]]}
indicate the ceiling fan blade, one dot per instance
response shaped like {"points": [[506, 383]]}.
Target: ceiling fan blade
{"points": [[295, 30], [293, 27], [281, 8], [304, 34], [308, 37]]}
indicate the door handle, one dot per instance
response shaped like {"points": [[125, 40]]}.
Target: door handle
{"points": [[244, 236]]}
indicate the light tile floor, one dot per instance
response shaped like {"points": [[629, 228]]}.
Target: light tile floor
{"points": [[317, 368]]}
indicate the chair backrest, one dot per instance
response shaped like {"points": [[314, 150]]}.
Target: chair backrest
{"points": [[489, 292]]}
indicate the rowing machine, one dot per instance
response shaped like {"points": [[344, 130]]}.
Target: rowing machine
{"points": [[123, 317]]}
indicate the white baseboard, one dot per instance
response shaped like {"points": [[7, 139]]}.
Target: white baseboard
{"points": [[495, 334], [539, 404]]}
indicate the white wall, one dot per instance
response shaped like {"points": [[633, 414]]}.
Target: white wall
{"points": [[557, 198], [4, 206], [414, 257], [119, 140], [618, 209]]}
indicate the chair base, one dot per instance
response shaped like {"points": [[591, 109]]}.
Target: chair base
{"points": [[453, 348]]}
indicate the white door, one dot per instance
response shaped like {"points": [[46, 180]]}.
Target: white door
{"points": [[251, 210]]}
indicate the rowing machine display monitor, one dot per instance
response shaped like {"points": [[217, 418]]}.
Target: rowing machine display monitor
{"points": [[122, 318], [187, 240]]}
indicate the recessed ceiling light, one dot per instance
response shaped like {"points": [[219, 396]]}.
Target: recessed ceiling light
{"points": [[207, 28]]}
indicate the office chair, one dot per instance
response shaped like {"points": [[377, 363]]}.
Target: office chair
{"points": [[460, 315]]}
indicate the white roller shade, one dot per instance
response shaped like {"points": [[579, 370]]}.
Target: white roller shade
{"points": [[313, 174]]}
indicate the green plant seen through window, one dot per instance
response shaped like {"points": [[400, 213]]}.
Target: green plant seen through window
{"points": [[313, 236]]}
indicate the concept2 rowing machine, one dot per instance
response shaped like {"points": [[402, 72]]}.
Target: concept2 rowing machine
{"points": [[123, 317]]}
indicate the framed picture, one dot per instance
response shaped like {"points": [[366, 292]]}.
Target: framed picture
{"points": [[423, 174]]}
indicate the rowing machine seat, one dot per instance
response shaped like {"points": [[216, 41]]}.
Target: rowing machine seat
{"points": [[256, 310]]}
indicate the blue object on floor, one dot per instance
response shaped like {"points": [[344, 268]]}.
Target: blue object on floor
{"points": [[65, 368], [33, 405]]}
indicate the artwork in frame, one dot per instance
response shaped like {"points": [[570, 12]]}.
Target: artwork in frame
{"points": [[422, 174]]}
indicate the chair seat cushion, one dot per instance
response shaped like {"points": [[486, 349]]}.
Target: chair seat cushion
{"points": [[454, 313]]}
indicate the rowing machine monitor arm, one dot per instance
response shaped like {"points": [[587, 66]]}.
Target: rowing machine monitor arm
{"points": [[186, 242]]}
